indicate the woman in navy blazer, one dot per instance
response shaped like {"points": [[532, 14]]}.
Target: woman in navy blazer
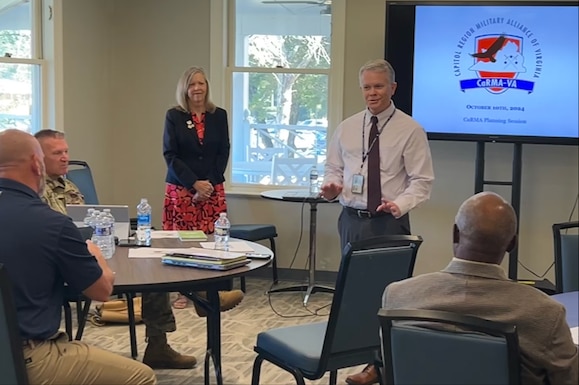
{"points": [[196, 149]]}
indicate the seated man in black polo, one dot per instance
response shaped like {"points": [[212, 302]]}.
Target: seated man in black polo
{"points": [[156, 307], [42, 250]]}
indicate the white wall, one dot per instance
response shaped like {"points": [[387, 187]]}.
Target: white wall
{"points": [[86, 74], [121, 63]]}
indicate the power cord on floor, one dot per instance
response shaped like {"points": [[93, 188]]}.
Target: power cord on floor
{"points": [[535, 274], [573, 209], [542, 276], [309, 313]]}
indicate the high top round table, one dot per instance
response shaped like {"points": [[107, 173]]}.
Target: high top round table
{"points": [[136, 275], [303, 196]]}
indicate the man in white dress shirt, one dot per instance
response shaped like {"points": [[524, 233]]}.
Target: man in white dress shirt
{"points": [[405, 162], [403, 166]]}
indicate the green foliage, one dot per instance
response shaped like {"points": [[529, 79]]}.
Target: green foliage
{"points": [[16, 43], [269, 92]]}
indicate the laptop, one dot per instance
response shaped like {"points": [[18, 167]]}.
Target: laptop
{"points": [[120, 212]]}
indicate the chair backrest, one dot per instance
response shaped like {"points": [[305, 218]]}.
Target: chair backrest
{"points": [[367, 267], [12, 368], [566, 257], [292, 171], [439, 347], [79, 173]]}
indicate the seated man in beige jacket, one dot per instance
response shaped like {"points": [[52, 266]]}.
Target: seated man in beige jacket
{"points": [[474, 283]]}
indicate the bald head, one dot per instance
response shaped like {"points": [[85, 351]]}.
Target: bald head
{"points": [[16, 147], [485, 228], [21, 159]]}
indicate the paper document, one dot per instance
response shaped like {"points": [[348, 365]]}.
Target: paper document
{"points": [[160, 234], [235, 246], [575, 334], [157, 252], [152, 252]]}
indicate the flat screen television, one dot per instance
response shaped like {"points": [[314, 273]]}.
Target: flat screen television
{"points": [[487, 71]]}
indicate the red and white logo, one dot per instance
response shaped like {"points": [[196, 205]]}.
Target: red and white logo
{"points": [[498, 59]]}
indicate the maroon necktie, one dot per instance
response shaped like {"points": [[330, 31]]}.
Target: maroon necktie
{"points": [[374, 188]]}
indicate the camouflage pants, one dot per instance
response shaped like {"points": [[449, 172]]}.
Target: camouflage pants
{"points": [[157, 314]]}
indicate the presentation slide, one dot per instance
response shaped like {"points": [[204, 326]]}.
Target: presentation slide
{"points": [[507, 70]]}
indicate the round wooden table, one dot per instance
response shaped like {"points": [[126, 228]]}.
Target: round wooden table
{"points": [[135, 275]]}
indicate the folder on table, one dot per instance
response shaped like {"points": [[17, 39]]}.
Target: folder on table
{"points": [[192, 235], [204, 262]]}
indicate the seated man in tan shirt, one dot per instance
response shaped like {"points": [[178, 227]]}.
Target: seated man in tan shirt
{"points": [[59, 191], [156, 308]]}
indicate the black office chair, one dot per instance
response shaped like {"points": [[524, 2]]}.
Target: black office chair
{"points": [[80, 174], [350, 336], [254, 233], [566, 257], [12, 367], [423, 347]]}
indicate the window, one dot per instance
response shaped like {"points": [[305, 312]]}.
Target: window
{"points": [[20, 65], [279, 69]]}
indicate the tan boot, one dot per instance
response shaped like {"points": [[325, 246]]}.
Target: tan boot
{"points": [[227, 301], [160, 355]]}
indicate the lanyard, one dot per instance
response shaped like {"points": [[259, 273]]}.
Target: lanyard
{"points": [[365, 153]]}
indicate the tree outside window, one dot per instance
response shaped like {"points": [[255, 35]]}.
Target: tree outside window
{"points": [[279, 92], [20, 67]]}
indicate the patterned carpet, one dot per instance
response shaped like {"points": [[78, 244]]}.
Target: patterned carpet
{"points": [[239, 329]]}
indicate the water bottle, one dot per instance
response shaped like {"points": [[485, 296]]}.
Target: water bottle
{"points": [[144, 223], [314, 189], [88, 219], [92, 221], [111, 219], [221, 235], [103, 234]]}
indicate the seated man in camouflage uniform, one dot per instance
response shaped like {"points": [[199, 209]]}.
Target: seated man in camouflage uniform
{"points": [[156, 308]]}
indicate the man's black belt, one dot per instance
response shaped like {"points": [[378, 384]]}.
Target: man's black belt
{"points": [[365, 213]]}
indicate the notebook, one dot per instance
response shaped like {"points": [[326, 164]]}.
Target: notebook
{"points": [[120, 212], [203, 264]]}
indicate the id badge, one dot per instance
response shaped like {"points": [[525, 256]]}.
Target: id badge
{"points": [[357, 183]]}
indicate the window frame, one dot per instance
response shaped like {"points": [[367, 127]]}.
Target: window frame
{"points": [[39, 120], [222, 69]]}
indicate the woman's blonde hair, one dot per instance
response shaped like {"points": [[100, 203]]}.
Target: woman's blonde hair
{"points": [[183, 85]]}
